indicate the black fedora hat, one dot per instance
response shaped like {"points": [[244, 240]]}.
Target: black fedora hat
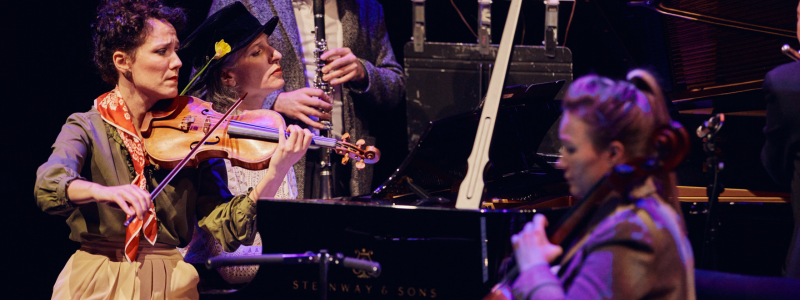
{"points": [[233, 23]]}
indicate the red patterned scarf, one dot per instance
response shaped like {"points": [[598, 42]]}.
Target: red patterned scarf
{"points": [[114, 111]]}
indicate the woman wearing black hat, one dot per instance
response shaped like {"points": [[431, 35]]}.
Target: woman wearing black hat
{"points": [[251, 67], [135, 45]]}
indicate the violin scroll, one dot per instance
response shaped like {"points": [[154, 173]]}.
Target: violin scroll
{"points": [[362, 155]]}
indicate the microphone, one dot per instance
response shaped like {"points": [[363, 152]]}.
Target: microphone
{"points": [[372, 269], [791, 53], [712, 126]]}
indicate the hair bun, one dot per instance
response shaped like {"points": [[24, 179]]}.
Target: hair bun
{"points": [[643, 81], [672, 144]]}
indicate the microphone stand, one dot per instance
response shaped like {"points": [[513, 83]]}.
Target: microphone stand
{"points": [[708, 131], [323, 258]]}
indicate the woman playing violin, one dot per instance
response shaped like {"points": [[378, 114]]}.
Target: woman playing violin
{"points": [[635, 245], [135, 45], [251, 67]]}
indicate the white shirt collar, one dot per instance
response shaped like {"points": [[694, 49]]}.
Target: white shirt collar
{"points": [[310, 3]]}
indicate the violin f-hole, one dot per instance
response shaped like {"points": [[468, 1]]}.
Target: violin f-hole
{"points": [[194, 144], [206, 125]]}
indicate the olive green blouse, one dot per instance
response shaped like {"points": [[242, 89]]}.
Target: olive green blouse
{"points": [[88, 145]]}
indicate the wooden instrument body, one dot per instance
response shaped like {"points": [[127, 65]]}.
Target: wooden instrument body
{"points": [[171, 129]]}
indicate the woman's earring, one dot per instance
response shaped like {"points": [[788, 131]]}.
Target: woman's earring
{"points": [[128, 75]]}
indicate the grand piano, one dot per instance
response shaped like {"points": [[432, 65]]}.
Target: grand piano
{"points": [[428, 249]]}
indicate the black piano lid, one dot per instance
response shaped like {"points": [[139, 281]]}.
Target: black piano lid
{"points": [[424, 252], [438, 163]]}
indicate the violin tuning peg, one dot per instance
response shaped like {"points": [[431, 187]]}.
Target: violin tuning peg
{"points": [[360, 143], [345, 160], [360, 165], [346, 137]]}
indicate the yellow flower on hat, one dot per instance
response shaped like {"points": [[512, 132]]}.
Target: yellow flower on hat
{"points": [[221, 48]]}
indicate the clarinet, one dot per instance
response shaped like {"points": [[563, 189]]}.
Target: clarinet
{"points": [[326, 173]]}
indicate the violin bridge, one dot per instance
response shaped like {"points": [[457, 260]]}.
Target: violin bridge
{"points": [[186, 123]]}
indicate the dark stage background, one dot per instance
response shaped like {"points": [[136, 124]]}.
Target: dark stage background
{"points": [[48, 74]]}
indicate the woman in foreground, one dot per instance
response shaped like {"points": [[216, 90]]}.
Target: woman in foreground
{"points": [[633, 247]]}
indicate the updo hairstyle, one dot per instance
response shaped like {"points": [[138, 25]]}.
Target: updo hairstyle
{"points": [[625, 111], [122, 26]]}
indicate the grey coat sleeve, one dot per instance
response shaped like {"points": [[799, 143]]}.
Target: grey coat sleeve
{"points": [[385, 79], [64, 164], [219, 4], [270, 101]]}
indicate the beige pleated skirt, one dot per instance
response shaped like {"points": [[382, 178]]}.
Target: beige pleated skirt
{"points": [[99, 271]]}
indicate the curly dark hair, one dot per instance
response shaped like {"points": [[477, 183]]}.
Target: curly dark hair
{"points": [[122, 26]]}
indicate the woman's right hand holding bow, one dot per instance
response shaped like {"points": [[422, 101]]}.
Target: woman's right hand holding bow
{"points": [[129, 198]]}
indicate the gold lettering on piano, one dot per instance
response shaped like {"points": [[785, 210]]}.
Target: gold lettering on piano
{"points": [[366, 255], [402, 291]]}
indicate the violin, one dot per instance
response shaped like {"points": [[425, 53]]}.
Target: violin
{"points": [[172, 128], [671, 143]]}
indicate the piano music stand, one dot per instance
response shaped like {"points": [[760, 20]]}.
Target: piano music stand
{"points": [[438, 159]]}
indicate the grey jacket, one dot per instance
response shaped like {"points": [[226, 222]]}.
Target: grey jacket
{"points": [[364, 32], [639, 251]]}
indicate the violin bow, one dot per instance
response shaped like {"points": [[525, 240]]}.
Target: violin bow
{"points": [[186, 159]]}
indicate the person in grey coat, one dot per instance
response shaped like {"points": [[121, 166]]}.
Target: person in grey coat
{"points": [[363, 69]]}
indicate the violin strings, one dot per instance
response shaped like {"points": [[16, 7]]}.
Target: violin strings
{"points": [[243, 125]]}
